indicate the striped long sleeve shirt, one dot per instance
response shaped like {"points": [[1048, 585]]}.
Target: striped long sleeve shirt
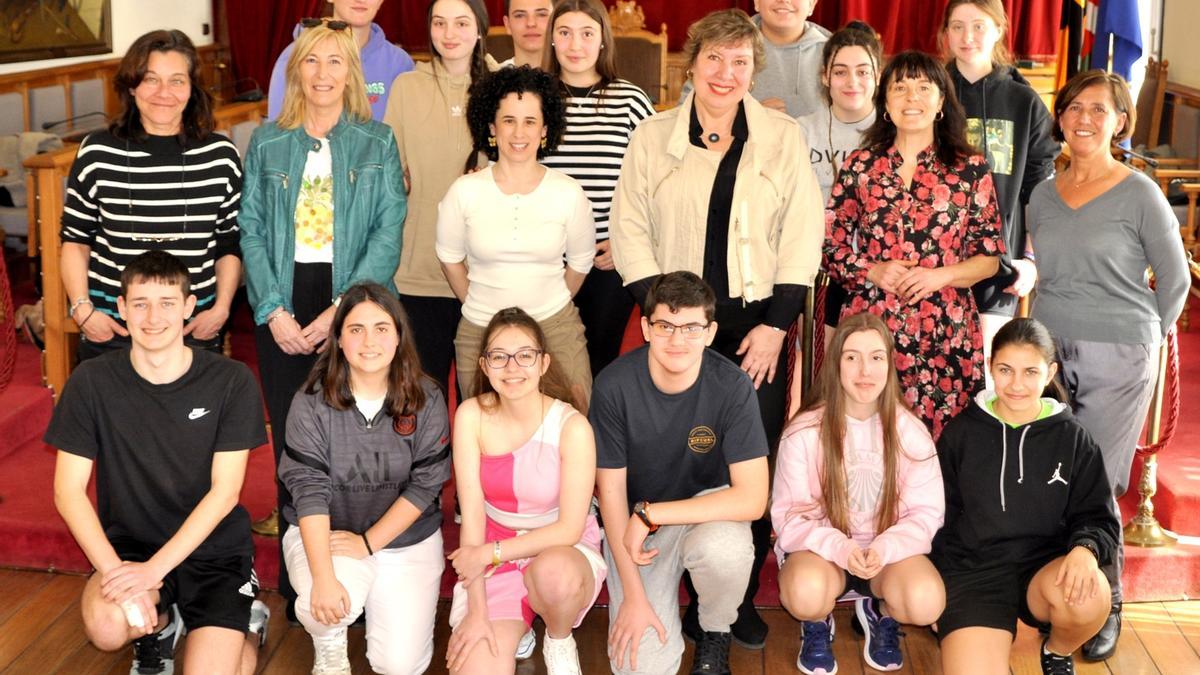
{"points": [[126, 198], [599, 124]]}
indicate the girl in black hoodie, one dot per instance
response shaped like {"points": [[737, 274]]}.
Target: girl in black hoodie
{"points": [[1029, 516], [1008, 122]]}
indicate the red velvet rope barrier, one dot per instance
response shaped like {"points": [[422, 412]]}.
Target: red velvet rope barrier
{"points": [[1171, 398], [796, 330], [819, 327], [789, 343], [8, 329]]}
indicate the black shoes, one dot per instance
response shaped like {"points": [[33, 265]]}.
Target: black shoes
{"points": [[712, 654], [1104, 643], [749, 630]]}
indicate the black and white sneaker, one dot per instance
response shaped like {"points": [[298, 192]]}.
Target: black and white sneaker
{"points": [[712, 654], [155, 654], [1055, 664], [260, 615]]}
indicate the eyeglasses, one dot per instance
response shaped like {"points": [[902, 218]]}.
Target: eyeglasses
{"points": [[313, 22], [497, 359], [690, 331]]}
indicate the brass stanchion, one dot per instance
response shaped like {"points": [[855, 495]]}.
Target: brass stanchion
{"points": [[267, 527], [1144, 529]]}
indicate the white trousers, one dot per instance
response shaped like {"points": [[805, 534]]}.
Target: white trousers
{"points": [[397, 587]]}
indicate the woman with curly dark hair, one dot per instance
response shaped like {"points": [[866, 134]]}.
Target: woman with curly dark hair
{"points": [[914, 225], [503, 231]]}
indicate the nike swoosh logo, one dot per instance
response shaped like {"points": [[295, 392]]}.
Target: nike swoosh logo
{"points": [[197, 413]]}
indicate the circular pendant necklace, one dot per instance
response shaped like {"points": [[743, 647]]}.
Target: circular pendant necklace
{"points": [[714, 137]]}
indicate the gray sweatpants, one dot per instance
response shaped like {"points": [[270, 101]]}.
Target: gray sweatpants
{"points": [[718, 555], [1110, 386]]}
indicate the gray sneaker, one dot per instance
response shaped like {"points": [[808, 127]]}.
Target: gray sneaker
{"points": [[526, 646]]}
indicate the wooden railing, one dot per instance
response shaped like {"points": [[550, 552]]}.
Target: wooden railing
{"points": [[46, 176], [213, 66]]}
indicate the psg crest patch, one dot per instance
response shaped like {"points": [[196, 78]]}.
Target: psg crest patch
{"points": [[405, 425]]}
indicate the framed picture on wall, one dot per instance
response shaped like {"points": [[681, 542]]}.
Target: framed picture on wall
{"points": [[32, 30]]}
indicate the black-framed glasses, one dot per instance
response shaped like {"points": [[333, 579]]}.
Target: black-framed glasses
{"points": [[314, 21], [690, 331], [497, 359]]}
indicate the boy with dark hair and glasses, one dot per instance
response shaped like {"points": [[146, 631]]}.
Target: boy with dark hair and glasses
{"points": [[168, 429], [682, 471]]}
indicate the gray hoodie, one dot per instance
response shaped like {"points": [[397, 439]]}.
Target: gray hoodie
{"points": [[793, 71], [340, 464]]}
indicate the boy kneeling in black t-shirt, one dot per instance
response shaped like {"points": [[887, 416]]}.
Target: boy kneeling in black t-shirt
{"points": [[680, 446], [169, 429]]}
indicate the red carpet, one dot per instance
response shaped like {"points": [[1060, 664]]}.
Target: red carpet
{"points": [[33, 536]]}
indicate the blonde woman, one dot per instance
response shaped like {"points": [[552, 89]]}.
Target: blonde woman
{"points": [[322, 207]]}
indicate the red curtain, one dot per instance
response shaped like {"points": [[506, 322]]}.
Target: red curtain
{"points": [[914, 24], [260, 29]]}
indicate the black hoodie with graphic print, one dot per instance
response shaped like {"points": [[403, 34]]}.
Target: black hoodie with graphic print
{"points": [[1016, 496], [1020, 152]]}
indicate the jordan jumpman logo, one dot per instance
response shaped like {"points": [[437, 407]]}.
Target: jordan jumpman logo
{"points": [[1057, 476]]}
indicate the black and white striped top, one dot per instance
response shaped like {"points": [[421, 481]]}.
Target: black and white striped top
{"points": [[599, 124], [126, 198]]}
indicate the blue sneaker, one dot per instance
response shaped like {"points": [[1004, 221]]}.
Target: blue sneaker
{"points": [[816, 648], [881, 648]]}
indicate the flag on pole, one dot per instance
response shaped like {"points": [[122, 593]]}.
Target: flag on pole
{"points": [[1119, 26], [1070, 42]]}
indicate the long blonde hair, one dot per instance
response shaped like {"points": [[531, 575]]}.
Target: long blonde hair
{"points": [[354, 98], [828, 396]]}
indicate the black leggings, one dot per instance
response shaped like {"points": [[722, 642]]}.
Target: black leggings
{"points": [[283, 375]]}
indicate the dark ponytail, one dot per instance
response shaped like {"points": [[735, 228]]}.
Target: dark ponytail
{"points": [[1032, 333]]}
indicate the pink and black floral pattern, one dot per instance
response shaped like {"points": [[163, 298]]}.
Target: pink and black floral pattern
{"points": [[947, 215]]}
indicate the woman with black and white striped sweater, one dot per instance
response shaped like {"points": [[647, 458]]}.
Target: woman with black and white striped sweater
{"points": [[159, 179], [602, 111]]}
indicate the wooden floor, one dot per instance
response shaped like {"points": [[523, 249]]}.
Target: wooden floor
{"points": [[41, 632]]}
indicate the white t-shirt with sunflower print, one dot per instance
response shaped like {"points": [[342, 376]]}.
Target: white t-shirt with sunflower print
{"points": [[314, 208]]}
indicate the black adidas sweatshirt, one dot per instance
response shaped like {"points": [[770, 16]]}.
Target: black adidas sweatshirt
{"points": [[1020, 495], [1020, 152]]}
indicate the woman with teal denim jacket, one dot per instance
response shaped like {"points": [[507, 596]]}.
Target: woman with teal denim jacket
{"points": [[323, 205]]}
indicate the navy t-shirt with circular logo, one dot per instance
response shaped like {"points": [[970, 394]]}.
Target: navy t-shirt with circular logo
{"points": [[674, 445]]}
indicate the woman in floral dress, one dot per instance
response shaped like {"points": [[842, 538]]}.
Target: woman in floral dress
{"points": [[912, 224]]}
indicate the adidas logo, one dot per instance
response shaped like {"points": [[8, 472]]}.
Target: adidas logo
{"points": [[247, 590]]}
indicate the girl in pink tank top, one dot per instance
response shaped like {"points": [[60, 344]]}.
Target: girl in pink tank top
{"points": [[525, 464]]}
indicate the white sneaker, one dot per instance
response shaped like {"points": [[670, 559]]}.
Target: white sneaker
{"points": [[562, 658], [526, 646], [330, 655], [260, 614]]}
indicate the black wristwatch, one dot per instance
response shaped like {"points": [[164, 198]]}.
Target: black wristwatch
{"points": [[639, 510]]}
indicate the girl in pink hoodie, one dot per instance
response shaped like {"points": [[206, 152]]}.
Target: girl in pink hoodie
{"points": [[857, 499]]}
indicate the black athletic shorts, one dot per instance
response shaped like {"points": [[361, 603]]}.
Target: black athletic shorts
{"points": [[858, 585], [214, 592], [994, 597]]}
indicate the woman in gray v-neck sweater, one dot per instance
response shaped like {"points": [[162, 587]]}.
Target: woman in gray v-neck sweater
{"points": [[1094, 292]]}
